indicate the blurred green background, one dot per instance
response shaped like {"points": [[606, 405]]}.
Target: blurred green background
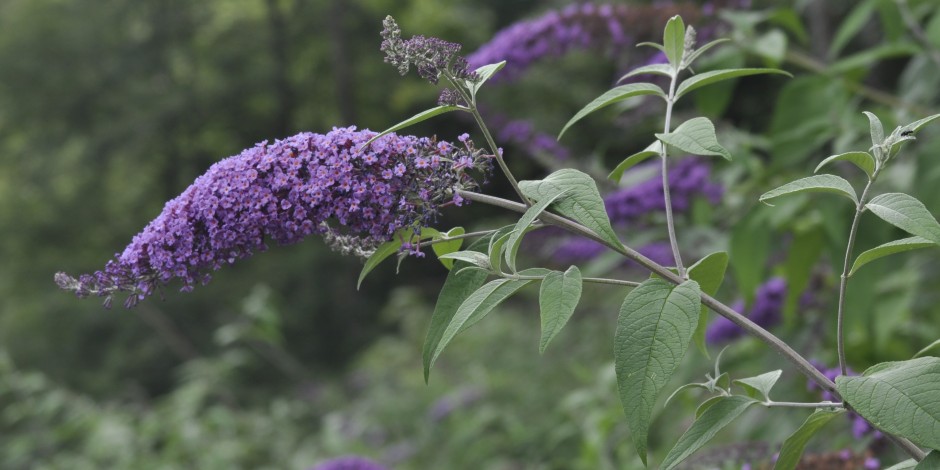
{"points": [[110, 108]]}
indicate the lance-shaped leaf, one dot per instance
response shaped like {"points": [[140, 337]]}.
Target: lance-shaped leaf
{"points": [[698, 52], [722, 412], [674, 40], [582, 202], [863, 160], [890, 248], [876, 129], [707, 78], [653, 332], [916, 125], [384, 250], [480, 313], [696, 136], [460, 283], [615, 95], [448, 246], [496, 251], [484, 73], [558, 297], [709, 273], [759, 386], [906, 213], [422, 116], [933, 349], [793, 447], [532, 213], [665, 70], [476, 306], [469, 256], [813, 184], [651, 150], [901, 398]]}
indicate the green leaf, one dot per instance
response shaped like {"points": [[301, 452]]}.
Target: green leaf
{"points": [[582, 202], [901, 398], [933, 349], [684, 387], [709, 273], [890, 248], [853, 23], [651, 150], [906, 213], [674, 40], [696, 136], [384, 250], [460, 283], [698, 52], [445, 247], [484, 73], [876, 129], [819, 183], [532, 213], [863, 160], [793, 447], [759, 386], [653, 45], [908, 464], [558, 297], [615, 95], [496, 252], [931, 462], [707, 78], [653, 331], [422, 116], [916, 125], [480, 313], [476, 306], [721, 413], [473, 257], [651, 69]]}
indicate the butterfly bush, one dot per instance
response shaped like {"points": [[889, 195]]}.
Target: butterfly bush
{"points": [[860, 427], [351, 462], [332, 184], [766, 311]]}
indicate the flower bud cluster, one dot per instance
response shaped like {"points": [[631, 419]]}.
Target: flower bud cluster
{"points": [[359, 195], [432, 57]]}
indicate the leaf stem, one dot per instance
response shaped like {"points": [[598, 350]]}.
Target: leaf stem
{"points": [[595, 280], [791, 404], [749, 326], [844, 280], [670, 224], [456, 237]]}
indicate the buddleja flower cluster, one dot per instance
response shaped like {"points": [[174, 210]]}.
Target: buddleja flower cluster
{"points": [[285, 191]]}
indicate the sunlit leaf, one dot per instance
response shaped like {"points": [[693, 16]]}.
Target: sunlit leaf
{"points": [[906, 213], [707, 78], [890, 248], [610, 97], [863, 160], [558, 297], [819, 183], [695, 136]]}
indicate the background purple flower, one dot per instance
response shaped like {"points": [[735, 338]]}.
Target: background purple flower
{"points": [[766, 312], [351, 462], [860, 427], [285, 191]]}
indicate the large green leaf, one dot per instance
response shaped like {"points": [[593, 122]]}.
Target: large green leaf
{"points": [[721, 413], [558, 297], [707, 78], [476, 306], [651, 150], [384, 250], [422, 116], [610, 97], [902, 398], [674, 40], [930, 462], [457, 287], [906, 213], [582, 202], [532, 213], [890, 248], [696, 136], [653, 332], [793, 447], [709, 273], [819, 183], [665, 70], [863, 160]]}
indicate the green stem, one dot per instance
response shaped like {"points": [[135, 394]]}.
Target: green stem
{"points": [[791, 404], [746, 324], [844, 280], [670, 224], [595, 280]]}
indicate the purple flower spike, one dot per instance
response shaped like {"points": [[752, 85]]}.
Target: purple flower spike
{"points": [[351, 462], [766, 312], [285, 191]]}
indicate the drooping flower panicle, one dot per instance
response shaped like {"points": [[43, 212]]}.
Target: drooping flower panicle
{"points": [[432, 57], [330, 184]]}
